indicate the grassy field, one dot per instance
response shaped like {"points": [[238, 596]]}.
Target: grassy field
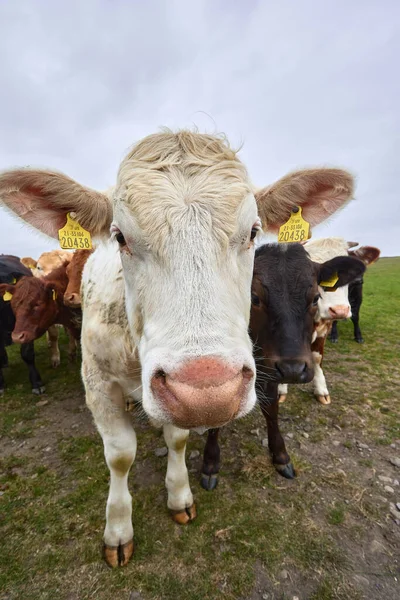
{"points": [[329, 534]]}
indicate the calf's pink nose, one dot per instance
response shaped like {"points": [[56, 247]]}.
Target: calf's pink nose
{"points": [[204, 392], [18, 338], [340, 311], [72, 299]]}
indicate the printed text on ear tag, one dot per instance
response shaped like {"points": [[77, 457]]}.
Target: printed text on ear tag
{"points": [[296, 229], [54, 295], [331, 282], [73, 237], [7, 296]]}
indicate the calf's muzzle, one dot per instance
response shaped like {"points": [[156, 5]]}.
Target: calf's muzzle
{"points": [[205, 392], [293, 371]]}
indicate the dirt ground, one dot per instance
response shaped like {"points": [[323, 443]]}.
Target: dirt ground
{"points": [[333, 532]]}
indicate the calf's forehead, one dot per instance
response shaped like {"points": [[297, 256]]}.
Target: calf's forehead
{"points": [[169, 180]]}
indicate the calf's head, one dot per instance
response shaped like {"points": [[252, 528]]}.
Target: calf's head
{"points": [[285, 299], [34, 306], [184, 216], [47, 262], [72, 295], [334, 301]]}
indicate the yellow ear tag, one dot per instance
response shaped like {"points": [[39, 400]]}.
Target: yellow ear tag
{"points": [[73, 237], [54, 295], [296, 229], [331, 282], [14, 280], [7, 296]]}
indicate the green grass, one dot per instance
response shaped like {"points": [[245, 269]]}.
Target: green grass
{"points": [[54, 485]]}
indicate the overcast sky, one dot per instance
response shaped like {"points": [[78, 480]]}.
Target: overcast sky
{"points": [[298, 82]]}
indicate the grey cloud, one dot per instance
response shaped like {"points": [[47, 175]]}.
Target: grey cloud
{"points": [[298, 83]]}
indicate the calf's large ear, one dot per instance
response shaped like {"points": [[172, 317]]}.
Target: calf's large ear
{"points": [[6, 287], [29, 262], [43, 199], [368, 254], [320, 193], [346, 268]]}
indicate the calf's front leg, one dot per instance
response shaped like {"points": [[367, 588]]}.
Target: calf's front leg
{"points": [[270, 408], [211, 461], [52, 342], [180, 497], [115, 427], [321, 391]]}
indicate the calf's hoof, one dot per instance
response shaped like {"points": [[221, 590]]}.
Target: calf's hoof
{"points": [[39, 390], [282, 398], [1, 391], [55, 362], [118, 556], [209, 482], [323, 399], [359, 340], [334, 340], [184, 516], [286, 471]]}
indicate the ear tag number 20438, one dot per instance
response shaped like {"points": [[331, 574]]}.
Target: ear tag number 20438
{"points": [[296, 229], [73, 237]]}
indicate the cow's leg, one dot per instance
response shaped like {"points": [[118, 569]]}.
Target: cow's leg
{"points": [[320, 388], [72, 346], [334, 336], [180, 497], [321, 391], [355, 317], [119, 439], [211, 463], [3, 360], [28, 356], [282, 392], [270, 407], [52, 337]]}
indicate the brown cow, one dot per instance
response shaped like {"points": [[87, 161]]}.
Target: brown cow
{"points": [[72, 295], [44, 265], [38, 303]]}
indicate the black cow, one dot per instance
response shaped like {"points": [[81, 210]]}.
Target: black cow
{"points": [[11, 270], [368, 255], [284, 303]]}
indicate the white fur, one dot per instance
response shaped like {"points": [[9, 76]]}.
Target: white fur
{"points": [[320, 251]]}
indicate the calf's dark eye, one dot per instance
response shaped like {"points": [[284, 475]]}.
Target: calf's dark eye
{"points": [[253, 233], [120, 239], [316, 298], [255, 300]]}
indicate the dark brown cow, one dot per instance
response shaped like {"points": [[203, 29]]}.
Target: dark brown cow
{"points": [[37, 304], [285, 299], [72, 295]]}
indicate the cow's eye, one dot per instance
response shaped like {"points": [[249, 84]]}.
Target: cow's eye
{"points": [[120, 239], [316, 298], [255, 300], [253, 233]]}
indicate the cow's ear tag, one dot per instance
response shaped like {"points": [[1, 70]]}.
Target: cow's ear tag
{"points": [[13, 280], [7, 296], [54, 295], [331, 282], [72, 236], [296, 229]]}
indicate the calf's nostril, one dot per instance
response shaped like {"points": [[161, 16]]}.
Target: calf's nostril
{"points": [[160, 374], [247, 374]]}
